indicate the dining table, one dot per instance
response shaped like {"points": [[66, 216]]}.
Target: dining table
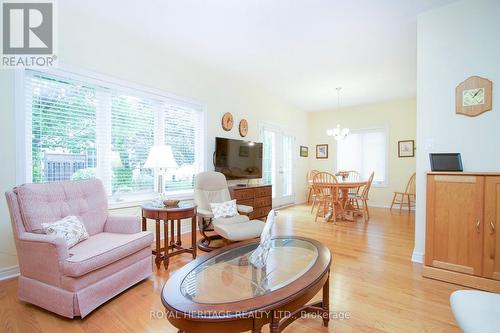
{"points": [[344, 185]]}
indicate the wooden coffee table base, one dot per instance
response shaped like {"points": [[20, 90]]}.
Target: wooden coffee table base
{"points": [[278, 318], [199, 298], [321, 308]]}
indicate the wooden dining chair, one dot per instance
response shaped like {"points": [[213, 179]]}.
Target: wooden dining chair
{"points": [[326, 190], [309, 178], [407, 197], [355, 199], [314, 195]]}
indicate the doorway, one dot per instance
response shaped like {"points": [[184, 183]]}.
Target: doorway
{"points": [[278, 163]]}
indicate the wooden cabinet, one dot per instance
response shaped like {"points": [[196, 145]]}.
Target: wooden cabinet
{"points": [[257, 196], [454, 215], [461, 242], [491, 253]]}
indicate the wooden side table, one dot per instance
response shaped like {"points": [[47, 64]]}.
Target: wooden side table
{"points": [[170, 215]]}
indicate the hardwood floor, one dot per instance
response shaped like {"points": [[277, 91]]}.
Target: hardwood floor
{"points": [[373, 281]]}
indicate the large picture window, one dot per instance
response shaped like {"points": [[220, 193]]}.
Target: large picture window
{"points": [[364, 151], [78, 128]]}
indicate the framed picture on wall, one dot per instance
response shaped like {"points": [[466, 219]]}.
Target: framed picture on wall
{"points": [[406, 148], [322, 151], [304, 151]]}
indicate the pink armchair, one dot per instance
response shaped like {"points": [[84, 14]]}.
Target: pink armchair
{"points": [[73, 282]]}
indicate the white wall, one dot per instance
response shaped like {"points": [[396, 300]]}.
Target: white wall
{"points": [[454, 42], [397, 116], [8, 255], [88, 43]]}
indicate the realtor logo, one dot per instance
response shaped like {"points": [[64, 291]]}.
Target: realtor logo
{"points": [[27, 34]]}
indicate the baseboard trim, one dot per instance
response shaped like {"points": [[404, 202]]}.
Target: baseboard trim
{"points": [[8, 273], [371, 204], [417, 257], [377, 205], [471, 281], [284, 206]]}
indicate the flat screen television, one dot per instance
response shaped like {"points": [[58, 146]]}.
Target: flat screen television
{"points": [[238, 159], [446, 162]]}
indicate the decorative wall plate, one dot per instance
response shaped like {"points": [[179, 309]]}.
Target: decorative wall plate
{"points": [[227, 121], [243, 127]]}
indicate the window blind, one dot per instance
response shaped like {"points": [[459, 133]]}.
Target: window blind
{"points": [[132, 134], [364, 151], [182, 131], [79, 129], [62, 123]]}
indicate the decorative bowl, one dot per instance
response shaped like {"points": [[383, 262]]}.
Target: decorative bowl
{"points": [[170, 203]]}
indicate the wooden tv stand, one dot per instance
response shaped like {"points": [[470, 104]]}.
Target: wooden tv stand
{"points": [[260, 197]]}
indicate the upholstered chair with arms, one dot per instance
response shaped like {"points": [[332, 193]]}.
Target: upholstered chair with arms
{"points": [[476, 311], [211, 187], [75, 281]]}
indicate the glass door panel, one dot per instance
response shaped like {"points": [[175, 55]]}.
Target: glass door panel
{"points": [[278, 164]]}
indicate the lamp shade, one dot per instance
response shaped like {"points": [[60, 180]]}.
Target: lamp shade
{"points": [[160, 157]]}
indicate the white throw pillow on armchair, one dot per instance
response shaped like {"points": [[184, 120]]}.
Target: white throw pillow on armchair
{"points": [[224, 209], [70, 228]]}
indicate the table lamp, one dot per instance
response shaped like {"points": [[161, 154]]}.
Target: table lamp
{"points": [[160, 157]]}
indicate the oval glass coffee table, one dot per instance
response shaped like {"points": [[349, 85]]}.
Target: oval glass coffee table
{"points": [[223, 292]]}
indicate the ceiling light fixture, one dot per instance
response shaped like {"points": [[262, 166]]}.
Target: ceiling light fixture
{"points": [[337, 132]]}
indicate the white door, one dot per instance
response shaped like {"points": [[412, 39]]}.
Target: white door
{"points": [[278, 163]]}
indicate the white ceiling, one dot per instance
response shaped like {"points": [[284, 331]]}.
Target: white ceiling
{"points": [[298, 50]]}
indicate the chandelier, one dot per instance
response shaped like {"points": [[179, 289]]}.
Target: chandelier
{"points": [[337, 132]]}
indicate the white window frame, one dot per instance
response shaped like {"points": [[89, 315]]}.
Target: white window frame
{"points": [[23, 151], [385, 130]]}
